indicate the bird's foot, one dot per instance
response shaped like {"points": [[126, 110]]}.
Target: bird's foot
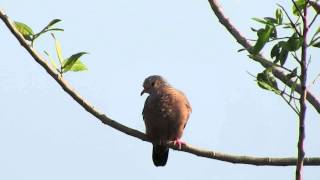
{"points": [[179, 143]]}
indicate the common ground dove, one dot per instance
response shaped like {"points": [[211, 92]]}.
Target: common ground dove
{"points": [[165, 114]]}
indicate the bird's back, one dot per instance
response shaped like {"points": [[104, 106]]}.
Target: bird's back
{"points": [[166, 113]]}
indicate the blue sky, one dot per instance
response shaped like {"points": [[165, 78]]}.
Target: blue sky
{"points": [[44, 134]]}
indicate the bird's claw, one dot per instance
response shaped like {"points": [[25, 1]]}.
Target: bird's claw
{"points": [[179, 143]]}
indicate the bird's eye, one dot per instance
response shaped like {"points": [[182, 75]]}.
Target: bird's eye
{"points": [[153, 83]]}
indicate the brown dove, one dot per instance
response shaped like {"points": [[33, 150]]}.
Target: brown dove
{"points": [[165, 114]]}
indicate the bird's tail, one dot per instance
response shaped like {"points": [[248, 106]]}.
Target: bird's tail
{"points": [[160, 155]]}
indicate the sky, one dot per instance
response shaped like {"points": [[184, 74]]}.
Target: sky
{"points": [[45, 134]]}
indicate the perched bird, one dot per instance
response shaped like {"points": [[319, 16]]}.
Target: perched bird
{"points": [[165, 114]]}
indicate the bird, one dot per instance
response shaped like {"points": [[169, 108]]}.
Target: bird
{"points": [[165, 114]]}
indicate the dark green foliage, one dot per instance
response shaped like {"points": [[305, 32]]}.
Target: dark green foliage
{"points": [[267, 81], [294, 42], [263, 37]]}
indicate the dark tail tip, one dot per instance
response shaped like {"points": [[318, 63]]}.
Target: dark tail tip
{"points": [[160, 155]]}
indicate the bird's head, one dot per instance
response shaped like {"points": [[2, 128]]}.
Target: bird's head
{"points": [[153, 83]]}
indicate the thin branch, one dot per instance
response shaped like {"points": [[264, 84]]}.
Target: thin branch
{"points": [[290, 105], [257, 161], [302, 101], [290, 96], [259, 58], [283, 93], [274, 39], [291, 22], [277, 72], [251, 160], [317, 9], [313, 20], [295, 57], [295, 4], [315, 79]]}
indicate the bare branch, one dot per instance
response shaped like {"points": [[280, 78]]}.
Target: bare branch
{"points": [[277, 72], [259, 161], [302, 101]]}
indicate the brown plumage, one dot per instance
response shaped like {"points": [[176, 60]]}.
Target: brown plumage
{"points": [[165, 113]]}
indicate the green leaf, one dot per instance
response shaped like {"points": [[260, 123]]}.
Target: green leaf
{"points": [[242, 49], [270, 20], [263, 37], [70, 62], [317, 44], [263, 21], [48, 28], [58, 49], [266, 81], [253, 29], [293, 88], [282, 56], [275, 51], [53, 22], [318, 31], [279, 16], [52, 61], [314, 40], [259, 20], [53, 29], [294, 42], [78, 66], [24, 30], [300, 4], [274, 34]]}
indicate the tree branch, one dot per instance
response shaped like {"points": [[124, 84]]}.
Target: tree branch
{"points": [[276, 71], [259, 161], [302, 101]]}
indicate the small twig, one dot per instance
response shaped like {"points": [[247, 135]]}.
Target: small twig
{"points": [[274, 39], [295, 4], [309, 61], [295, 57], [251, 75], [313, 39], [290, 105], [317, 9], [313, 20], [315, 79], [295, 104], [290, 96], [291, 22]]}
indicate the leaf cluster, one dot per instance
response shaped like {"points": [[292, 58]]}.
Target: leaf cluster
{"points": [[71, 63]]}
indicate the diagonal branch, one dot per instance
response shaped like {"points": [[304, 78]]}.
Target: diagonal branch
{"points": [[259, 161], [276, 71]]}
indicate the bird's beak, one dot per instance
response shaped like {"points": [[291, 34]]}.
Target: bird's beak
{"points": [[142, 92]]}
